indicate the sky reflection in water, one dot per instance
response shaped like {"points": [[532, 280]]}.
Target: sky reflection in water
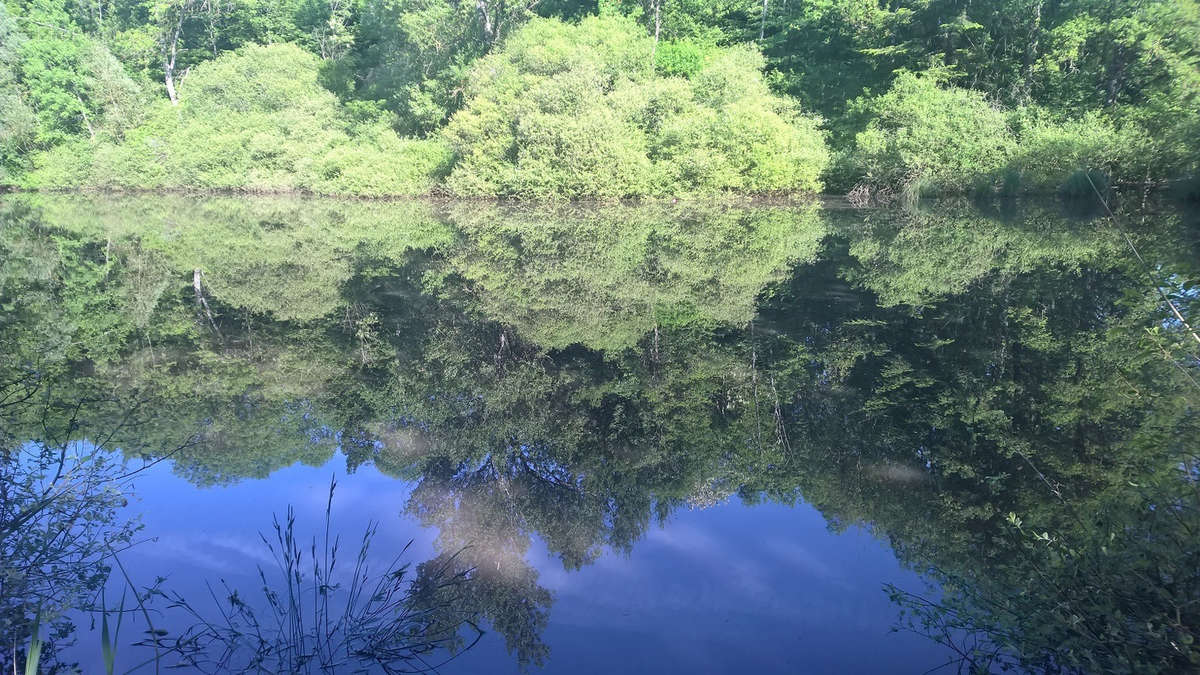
{"points": [[767, 588]]}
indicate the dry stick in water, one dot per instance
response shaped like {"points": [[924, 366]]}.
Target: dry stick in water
{"points": [[199, 288]]}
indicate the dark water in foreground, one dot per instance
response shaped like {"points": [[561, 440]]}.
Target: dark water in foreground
{"points": [[656, 439]]}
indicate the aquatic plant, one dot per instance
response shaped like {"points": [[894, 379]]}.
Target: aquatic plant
{"points": [[316, 618]]}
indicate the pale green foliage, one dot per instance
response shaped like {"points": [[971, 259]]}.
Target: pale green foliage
{"points": [[568, 111], [256, 120], [55, 86], [538, 121], [945, 251], [283, 257], [17, 122], [732, 134], [595, 108], [118, 98], [923, 131], [258, 79], [682, 58], [75, 86], [924, 135]]}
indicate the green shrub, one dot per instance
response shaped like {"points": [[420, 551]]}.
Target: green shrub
{"points": [[379, 162], [923, 137], [65, 165], [255, 79], [682, 58], [573, 111], [1050, 152], [18, 124], [57, 86], [255, 120], [921, 129]]}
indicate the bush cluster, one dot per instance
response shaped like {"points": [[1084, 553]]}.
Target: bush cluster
{"points": [[570, 111], [561, 111], [925, 136], [589, 107], [253, 120]]}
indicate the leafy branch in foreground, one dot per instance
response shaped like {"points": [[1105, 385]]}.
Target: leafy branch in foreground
{"points": [[60, 528]]}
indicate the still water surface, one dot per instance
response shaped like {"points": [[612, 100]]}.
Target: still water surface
{"points": [[772, 439]]}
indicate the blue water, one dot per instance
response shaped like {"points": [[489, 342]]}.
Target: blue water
{"points": [[542, 384], [730, 588]]}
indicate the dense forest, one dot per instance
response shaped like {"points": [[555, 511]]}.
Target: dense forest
{"points": [[560, 99]]}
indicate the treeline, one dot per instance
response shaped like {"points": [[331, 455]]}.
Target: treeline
{"points": [[552, 99]]}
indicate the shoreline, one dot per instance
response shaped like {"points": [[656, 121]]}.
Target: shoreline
{"points": [[433, 196], [828, 199]]}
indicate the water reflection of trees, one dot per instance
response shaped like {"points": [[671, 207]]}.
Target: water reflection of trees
{"points": [[1049, 433], [942, 376], [64, 527]]}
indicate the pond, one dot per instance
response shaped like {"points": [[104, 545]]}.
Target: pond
{"points": [[284, 434]]}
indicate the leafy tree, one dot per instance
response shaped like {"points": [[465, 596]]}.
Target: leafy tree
{"points": [[924, 136], [58, 84], [281, 131], [569, 111], [415, 55], [18, 124]]}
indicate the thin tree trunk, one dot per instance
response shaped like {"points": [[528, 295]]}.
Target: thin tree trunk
{"points": [[88, 122], [170, 82], [213, 17], [762, 27], [199, 288], [169, 59], [1031, 50], [489, 31], [1116, 76], [657, 28]]}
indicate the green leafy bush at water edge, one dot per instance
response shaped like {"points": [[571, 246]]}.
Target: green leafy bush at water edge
{"points": [[564, 99], [921, 129], [566, 111], [254, 120], [924, 136]]}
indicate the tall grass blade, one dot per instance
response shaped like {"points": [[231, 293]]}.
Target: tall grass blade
{"points": [[106, 644], [108, 638], [34, 655]]}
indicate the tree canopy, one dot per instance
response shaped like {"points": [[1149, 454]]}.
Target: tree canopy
{"points": [[610, 99]]}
